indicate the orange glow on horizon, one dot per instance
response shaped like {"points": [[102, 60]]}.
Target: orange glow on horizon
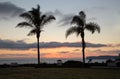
{"points": [[60, 52]]}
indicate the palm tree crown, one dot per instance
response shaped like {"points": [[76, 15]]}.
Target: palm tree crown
{"points": [[36, 21], [80, 25]]}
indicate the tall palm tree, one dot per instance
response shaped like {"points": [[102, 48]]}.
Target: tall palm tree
{"points": [[36, 21], [80, 26]]}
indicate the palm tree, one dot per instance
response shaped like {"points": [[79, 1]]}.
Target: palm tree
{"points": [[36, 21], [80, 26]]}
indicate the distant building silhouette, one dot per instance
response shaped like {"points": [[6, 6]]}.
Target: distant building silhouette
{"points": [[59, 62]]}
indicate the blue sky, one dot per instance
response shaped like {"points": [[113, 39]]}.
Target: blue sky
{"points": [[104, 12]]}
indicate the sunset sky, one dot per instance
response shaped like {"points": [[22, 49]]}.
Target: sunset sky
{"points": [[14, 42]]}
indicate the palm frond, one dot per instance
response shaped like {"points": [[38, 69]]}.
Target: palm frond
{"points": [[42, 18], [79, 30], [77, 20], [36, 20], [33, 13], [92, 27], [24, 24], [38, 7], [36, 16], [72, 30], [32, 32], [47, 20], [26, 16]]}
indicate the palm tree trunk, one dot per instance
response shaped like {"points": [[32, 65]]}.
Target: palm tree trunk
{"points": [[38, 50], [83, 47]]}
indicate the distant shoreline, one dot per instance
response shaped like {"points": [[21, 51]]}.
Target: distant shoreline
{"points": [[102, 57], [43, 60]]}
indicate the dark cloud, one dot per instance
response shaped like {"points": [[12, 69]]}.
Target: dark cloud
{"points": [[8, 44], [64, 19], [64, 52], [9, 10], [21, 45], [113, 45], [95, 45], [68, 44]]}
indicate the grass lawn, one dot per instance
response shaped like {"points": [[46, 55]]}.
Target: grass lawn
{"points": [[58, 73]]}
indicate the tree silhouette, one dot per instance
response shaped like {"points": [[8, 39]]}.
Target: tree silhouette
{"points": [[80, 26], [36, 21]]}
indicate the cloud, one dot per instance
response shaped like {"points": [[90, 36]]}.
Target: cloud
{"points": [[64, 19], [56, 13], [44, 54], [21, 45], [8, 44], [76, 50], [20, 55], [107, 52], [64, 52], [68, 44], [9, 10], [114, 45]]}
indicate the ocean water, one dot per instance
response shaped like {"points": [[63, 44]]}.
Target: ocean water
{"points": [[43, 60]]}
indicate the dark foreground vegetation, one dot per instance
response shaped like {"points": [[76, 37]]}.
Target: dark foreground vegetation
{"points": [[67, 64], [58, 73], [67, 70]]}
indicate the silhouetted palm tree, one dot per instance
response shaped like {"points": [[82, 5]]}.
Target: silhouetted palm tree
{"points": [[80, 26], [36, 21]]}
